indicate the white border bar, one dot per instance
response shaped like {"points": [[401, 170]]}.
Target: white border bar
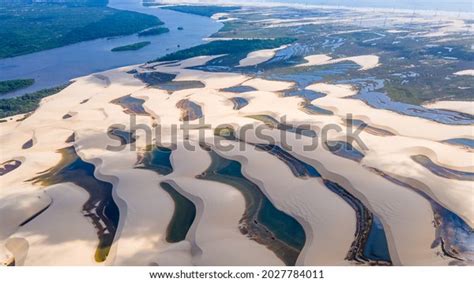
{"points": [[133, 274]]}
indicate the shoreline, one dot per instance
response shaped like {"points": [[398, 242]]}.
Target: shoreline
{"points": [[62, 64], [456, 14]]}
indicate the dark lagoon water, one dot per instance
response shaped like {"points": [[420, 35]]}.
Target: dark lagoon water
{"points": [[8, 166], [453, 234], [57, 66], [371, 93], [239, 102], [370, 243], [376, 247], [261, 221], [183, 216], [443, 171], [158, 160], [131, 105], [345, 150], [382, 101], [101, 208], [462, 142]]}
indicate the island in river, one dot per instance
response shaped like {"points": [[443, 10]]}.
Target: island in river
{"points": [[131, 47]]}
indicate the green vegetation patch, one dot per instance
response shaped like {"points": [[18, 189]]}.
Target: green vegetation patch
{"points": [[36, 27], [154, 31], [236, 46], [131, 47], [430, 85], [26, 103], [402, 94], [205, 11], [8, 86]]}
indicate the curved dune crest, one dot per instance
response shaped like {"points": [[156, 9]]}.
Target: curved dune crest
{"points": [[466, 107], [465, 72], [61, 235], [336, 101], [366, 62], [18, 208], [215, 235], [259, 57], [309, 202], [268, 85]]}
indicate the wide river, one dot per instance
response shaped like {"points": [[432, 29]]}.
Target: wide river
{"points": [[57, 66]]}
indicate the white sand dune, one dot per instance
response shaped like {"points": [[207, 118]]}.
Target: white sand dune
{"points": [[259, 57], [146, 209], [465, 72], [18, 208], [404, 125], [365, 62], [61, 235], [466, 107], [400, 209], [328, 221], [267, 85], [214, 236]]}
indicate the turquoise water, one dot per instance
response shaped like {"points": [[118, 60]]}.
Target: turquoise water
{"points": [[261, 221], [376, 247], [100, 208], [283, 225], [453, 234], [371, 247], [159, 160], [239, 102], [183, 216]]}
